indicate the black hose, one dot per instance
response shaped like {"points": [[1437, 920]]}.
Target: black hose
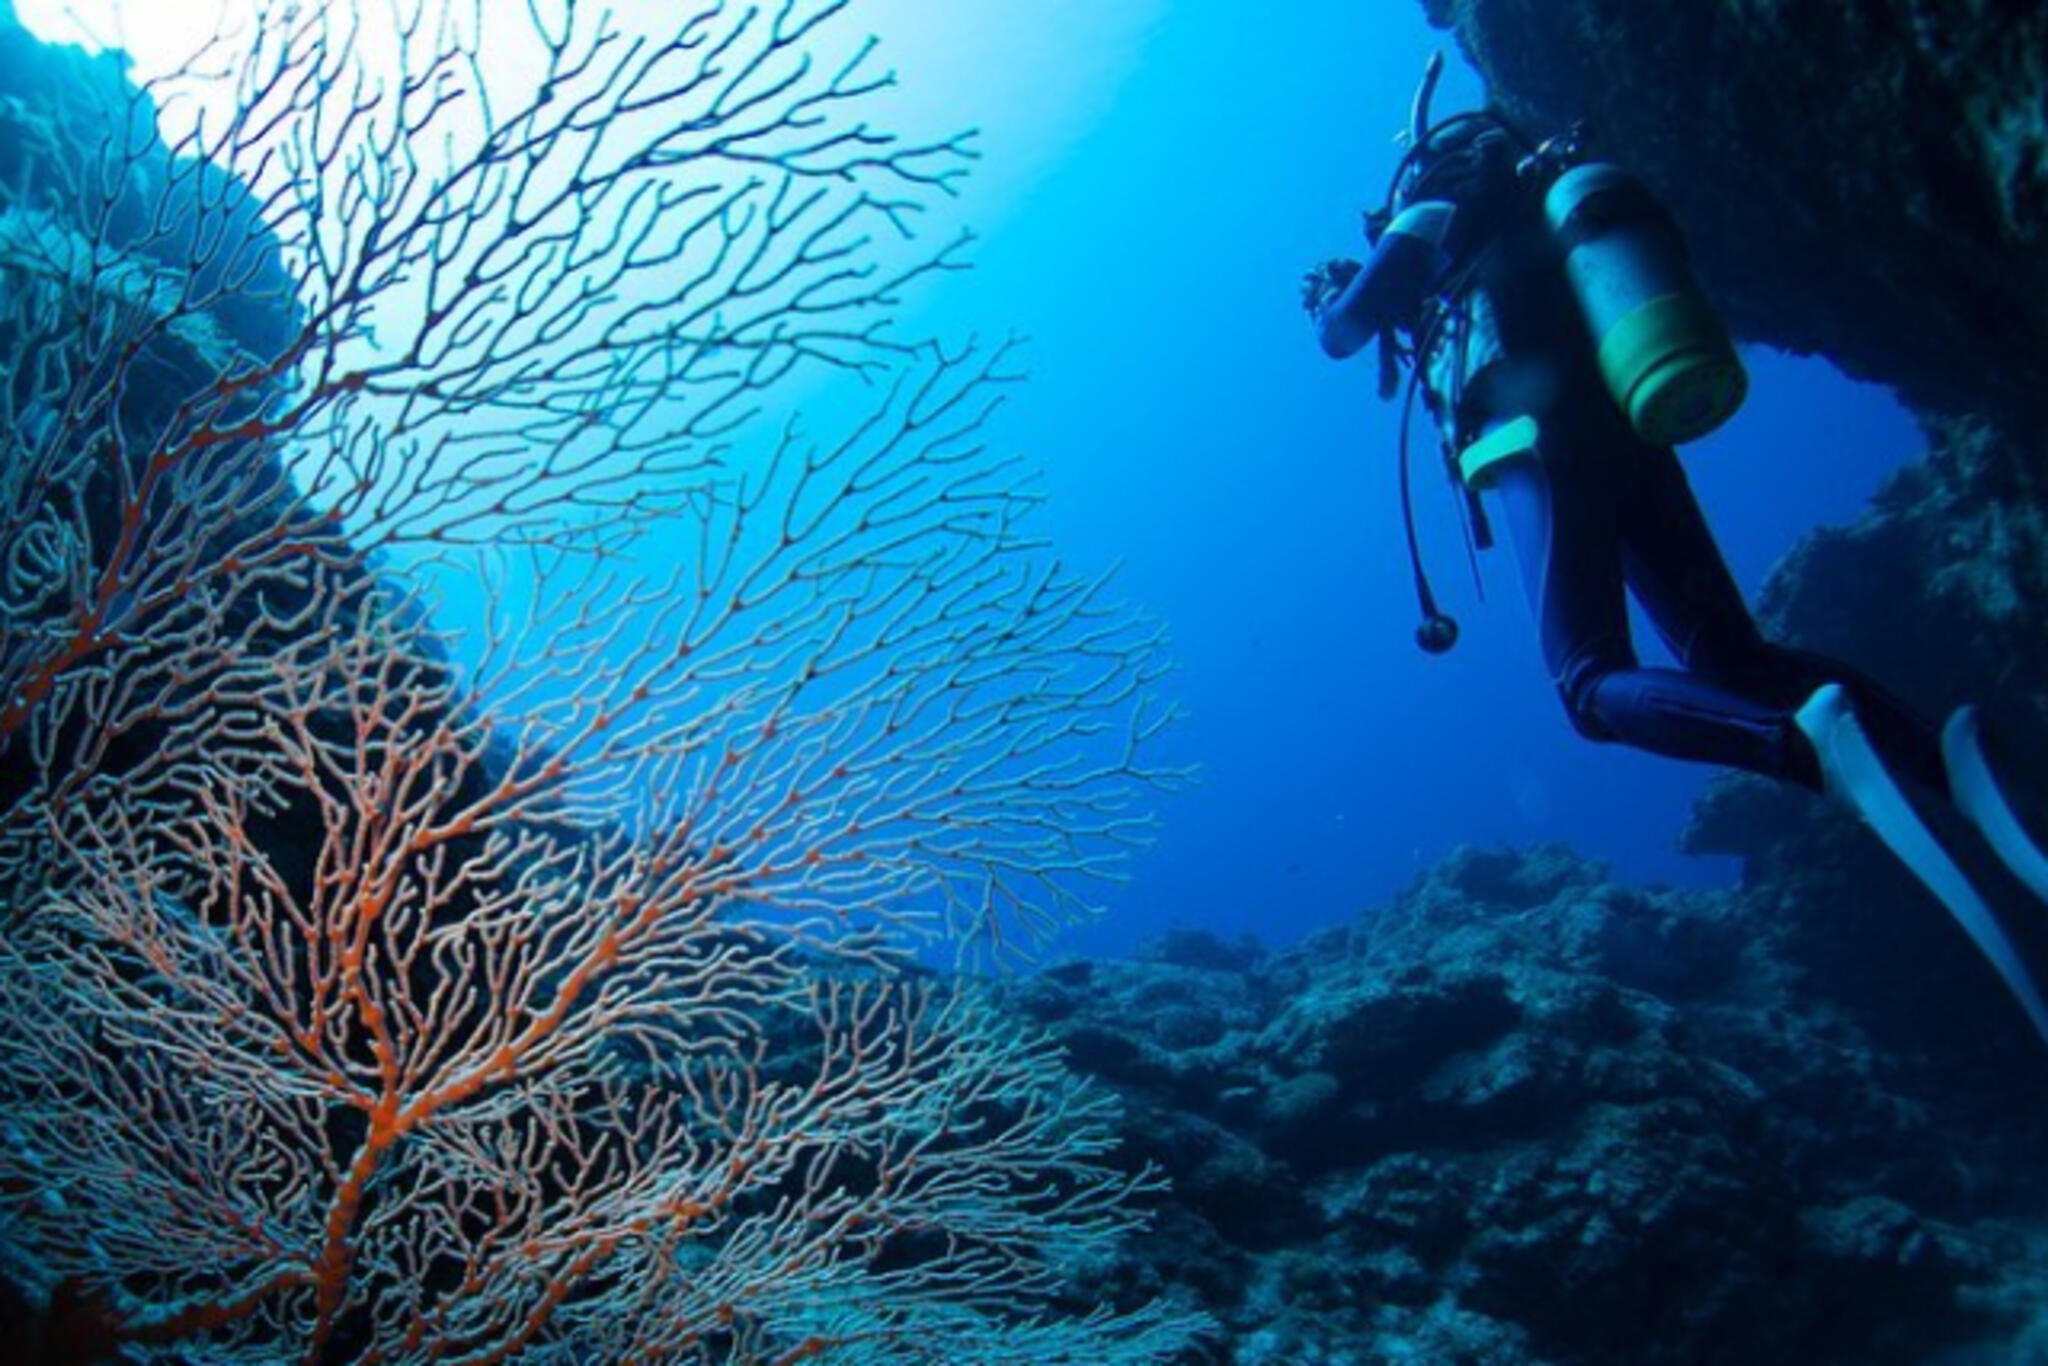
{"points": [[1438, 631]]}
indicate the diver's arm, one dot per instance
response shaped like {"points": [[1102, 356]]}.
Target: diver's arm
{"points": [[1388, 288]]}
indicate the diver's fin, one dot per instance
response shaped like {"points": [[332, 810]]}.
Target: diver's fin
{"points": [[1978, 796], [1856, 775]]}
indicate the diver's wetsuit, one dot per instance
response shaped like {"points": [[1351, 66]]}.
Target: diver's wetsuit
{"points": [[1598, 512]]}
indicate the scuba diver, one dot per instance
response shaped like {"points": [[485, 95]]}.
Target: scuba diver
{"points": [[1545, 306]]}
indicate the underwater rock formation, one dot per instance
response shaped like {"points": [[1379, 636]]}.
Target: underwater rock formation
{"points": [[1868, 182], [1526, 1115]]}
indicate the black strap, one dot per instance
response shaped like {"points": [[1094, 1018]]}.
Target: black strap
{"points": [[1598, 213]]}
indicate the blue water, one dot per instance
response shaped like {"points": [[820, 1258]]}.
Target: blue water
{"points": [[1191, 429]]}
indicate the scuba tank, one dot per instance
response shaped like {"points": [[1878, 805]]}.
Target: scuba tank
{"points": [[1663, 351]]}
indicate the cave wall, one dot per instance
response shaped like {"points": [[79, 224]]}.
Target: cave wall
{"points": [[1862, 179]]}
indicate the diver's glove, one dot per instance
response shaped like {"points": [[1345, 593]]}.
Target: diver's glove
{"points": [[1326, 281]]}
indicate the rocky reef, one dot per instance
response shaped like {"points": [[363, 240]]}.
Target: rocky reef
{"points": [[1865, 181], [1528, 1116]]}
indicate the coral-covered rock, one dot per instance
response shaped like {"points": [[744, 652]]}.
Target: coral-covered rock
{"points": [[1525, 1115], [1866, 181]]}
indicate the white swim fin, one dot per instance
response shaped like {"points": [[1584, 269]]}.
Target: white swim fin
{"points": [[1857, 776], [1978, 796]]}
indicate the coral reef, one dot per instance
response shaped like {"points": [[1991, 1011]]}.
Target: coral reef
{"points": [[1526, 1115], [364, 1007]]}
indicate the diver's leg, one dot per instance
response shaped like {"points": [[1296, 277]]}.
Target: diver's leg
{"points": [[1582, 530], [1676, 571], [1564, 512], [1859, 737], [1568, 549]]}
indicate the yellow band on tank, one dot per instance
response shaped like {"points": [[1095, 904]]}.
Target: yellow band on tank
{"points": [[1670, 365], [1480, 463]]}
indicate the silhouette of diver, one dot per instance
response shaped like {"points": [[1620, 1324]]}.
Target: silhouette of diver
{"points": [[1557, 335]]}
